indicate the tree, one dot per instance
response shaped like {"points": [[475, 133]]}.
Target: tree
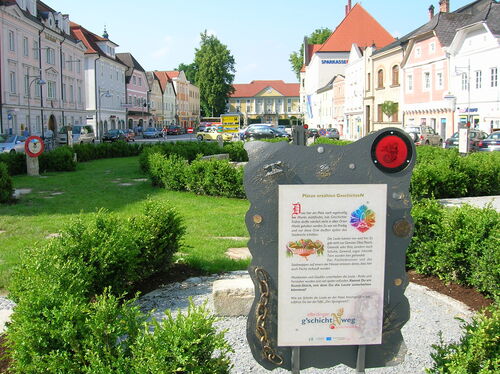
{"points": [[214, 75], [319, 36], [190, 71], [389, 108]]}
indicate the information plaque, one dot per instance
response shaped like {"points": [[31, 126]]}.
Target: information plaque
{"points": [[331, 264]]}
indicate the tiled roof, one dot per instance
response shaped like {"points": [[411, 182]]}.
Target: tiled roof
{"points": [[358, 27], [88, 38], [130, 61], [254, 87], [172, 74], [164, 77]]}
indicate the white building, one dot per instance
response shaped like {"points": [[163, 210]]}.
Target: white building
{"points": [[474, 65], [42, 81], [169, 110], [354, 93], [105, 81]]}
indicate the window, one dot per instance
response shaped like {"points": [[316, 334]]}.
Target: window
{"points": [[12, 81], [51, 57], [36, 50], [380, 114], [418, 52], [140, 81], [79, 95], [70, 63], [427, 80], [369, 82], [38, 90], [63, 58], [64, 92], [12, 41], [395, 75], [130, 99], [465, 82], [494, 77], [78, 66], [26, 85], [71, 94], [439, 80], [395, 115], [380, 79], [134, 80], [478, 78], [51, 89], [432, 47], [25, 47], [410, 82]]}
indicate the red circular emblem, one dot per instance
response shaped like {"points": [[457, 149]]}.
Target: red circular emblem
{"points": [[391, 151], [34, 146]]}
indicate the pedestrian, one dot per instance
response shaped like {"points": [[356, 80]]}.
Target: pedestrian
{"points": [[26, 132]]}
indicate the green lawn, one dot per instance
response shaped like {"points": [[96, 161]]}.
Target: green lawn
{"points": [[57, 197]]}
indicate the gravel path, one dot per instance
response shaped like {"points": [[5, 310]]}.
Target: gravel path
{"points": [[430, 312]]}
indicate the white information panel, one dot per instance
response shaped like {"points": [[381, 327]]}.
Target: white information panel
{"points": [[331, 264]]}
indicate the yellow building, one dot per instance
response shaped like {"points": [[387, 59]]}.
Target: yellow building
{"points": [[265, 101]]}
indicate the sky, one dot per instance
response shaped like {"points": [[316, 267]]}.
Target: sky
{"points": [[260, 34]]}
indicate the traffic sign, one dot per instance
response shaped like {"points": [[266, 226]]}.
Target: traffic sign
{"points": [[190, 130], [322, 132], [34, 146]]}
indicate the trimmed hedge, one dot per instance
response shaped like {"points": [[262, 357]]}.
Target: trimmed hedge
{"points": [[478, 351], [444, 173], [59, 159], [89, 152], [6, 186], [460, 245], [71, 316], [203, 177]]}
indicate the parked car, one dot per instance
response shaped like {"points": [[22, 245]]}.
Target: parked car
{"points": [[475, 136], [174, 130], [424, 135], [332, 134], [281, 133], [313, 133], [151, 132], [213, 134], [491, 143], [12, 143], [129, 135], [256, 132], [81, 134], [113, 135]]}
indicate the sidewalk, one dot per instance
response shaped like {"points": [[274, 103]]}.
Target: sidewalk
{"points": [[479, 201]]}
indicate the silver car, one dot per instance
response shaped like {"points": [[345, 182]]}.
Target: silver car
{"points": [[12, 143], [81, 134], [424, 135]]}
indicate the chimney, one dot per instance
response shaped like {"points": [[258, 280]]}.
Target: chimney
{"points": [[348, 7], [431, 12], [444, 6]]}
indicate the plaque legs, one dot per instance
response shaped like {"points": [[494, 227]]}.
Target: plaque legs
{"points": [[296, 360], [360, 362]]}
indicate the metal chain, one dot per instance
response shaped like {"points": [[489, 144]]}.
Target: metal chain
{"points": [[262, 312]]}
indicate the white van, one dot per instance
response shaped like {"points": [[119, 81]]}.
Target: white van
{"points": [[81, 134]]}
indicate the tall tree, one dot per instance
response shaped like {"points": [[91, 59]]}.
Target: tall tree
{"points": [[190, 71], [296, 59], [215, 75]]}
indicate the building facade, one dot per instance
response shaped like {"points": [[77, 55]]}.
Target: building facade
{"points": [[354, 94], [43, 80], [265, 102], [104, 81], [136, 92], [169, 110], [155, 99]]}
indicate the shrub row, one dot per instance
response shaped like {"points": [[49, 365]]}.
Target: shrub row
{"points": [[460, 245], [71, 316], [203, 177], [89, 152], [444, 173], [477, 351], [59, 159], [6, 187]]}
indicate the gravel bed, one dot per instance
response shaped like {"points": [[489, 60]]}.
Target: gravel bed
{"points": [[431, 312]]}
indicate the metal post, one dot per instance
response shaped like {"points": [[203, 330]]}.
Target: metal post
{"points": [[296, 360], [360, 362]]}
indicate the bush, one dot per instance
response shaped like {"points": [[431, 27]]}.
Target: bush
{"points": [[16, 162], [184, 344], [477, 352], [59, 159], [323, 140], [71, 316], [236, 151], [6, 186], [459, 245], [215, 178], [89, 152]]}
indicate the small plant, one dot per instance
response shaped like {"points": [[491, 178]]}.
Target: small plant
{"points": [[478, 351]]}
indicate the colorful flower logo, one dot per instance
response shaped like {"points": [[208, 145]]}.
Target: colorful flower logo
{"points": [[363, 218]]}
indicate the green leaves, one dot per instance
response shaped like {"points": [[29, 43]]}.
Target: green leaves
{"points": [[318, 36], [6, 186], [214, 75]]}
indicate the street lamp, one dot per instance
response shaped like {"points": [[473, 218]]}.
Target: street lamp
{"points": [[101, 94], [40, 82]]}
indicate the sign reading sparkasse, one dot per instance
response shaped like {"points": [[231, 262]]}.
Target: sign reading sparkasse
{"points": [[331, 264]]}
